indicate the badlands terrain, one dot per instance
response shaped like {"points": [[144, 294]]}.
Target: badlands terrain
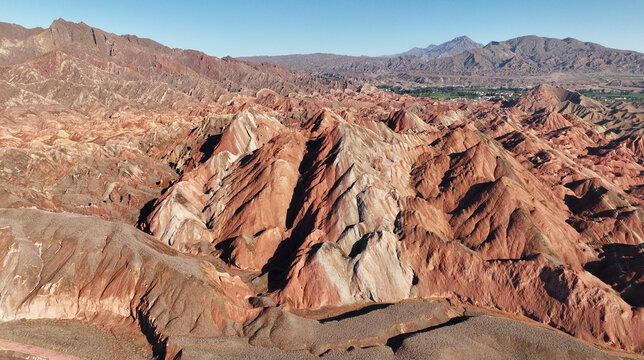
{"points": [[159, 202]]}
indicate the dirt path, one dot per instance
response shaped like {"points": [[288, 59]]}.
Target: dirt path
{"points": [[35, 351]]}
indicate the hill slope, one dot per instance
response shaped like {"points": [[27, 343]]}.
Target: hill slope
{"points": [[78, 66], [141, 192], [523, 61], [531, 55]]}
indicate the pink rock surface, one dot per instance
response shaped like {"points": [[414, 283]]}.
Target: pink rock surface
{"points": [[308, 200], [440, 210]]}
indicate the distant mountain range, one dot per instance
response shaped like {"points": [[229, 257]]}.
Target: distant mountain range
{"points": [[322, 63], [453, 47], [32, 61], [522, 61]]}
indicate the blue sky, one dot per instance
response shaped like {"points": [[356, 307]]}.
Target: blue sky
{"points": [[243, 28]]}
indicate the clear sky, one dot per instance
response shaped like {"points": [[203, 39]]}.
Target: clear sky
{"points": [[353, 27]]}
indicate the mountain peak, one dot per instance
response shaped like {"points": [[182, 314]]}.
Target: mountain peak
{"points": [[462, 38], [65, 32], [60, 22], [453, 47]]}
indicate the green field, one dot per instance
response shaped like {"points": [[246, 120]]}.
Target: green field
{"points": [[613, 96], [457, 92], [482, 93]]}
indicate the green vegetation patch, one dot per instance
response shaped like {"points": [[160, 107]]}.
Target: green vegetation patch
{"points": [[495, 94], [457, 92], [609, 97]]}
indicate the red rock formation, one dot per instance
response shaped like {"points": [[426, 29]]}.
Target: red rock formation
{"points": [[109, 273], [312, 202], [428, 213]]}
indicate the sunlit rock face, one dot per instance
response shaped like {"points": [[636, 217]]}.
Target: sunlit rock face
{"points": [[65, 266], [152, 195], [495, 206]]}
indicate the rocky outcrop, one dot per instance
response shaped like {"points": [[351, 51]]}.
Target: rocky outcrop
{"points": [[63, 266], [430, 209], [266, 213], [90, 70]]}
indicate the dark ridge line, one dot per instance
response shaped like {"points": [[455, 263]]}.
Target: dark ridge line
{"points": [[155, 339], [354, 313], [396, 342]]}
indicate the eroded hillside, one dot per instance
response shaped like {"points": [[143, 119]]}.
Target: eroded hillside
{"points": [[341, 224]]}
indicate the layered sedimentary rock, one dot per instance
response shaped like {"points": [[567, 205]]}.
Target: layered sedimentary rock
{"points": [[494, 209], [64, 266], [96, 72], [87, 116], [260, 213]]}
